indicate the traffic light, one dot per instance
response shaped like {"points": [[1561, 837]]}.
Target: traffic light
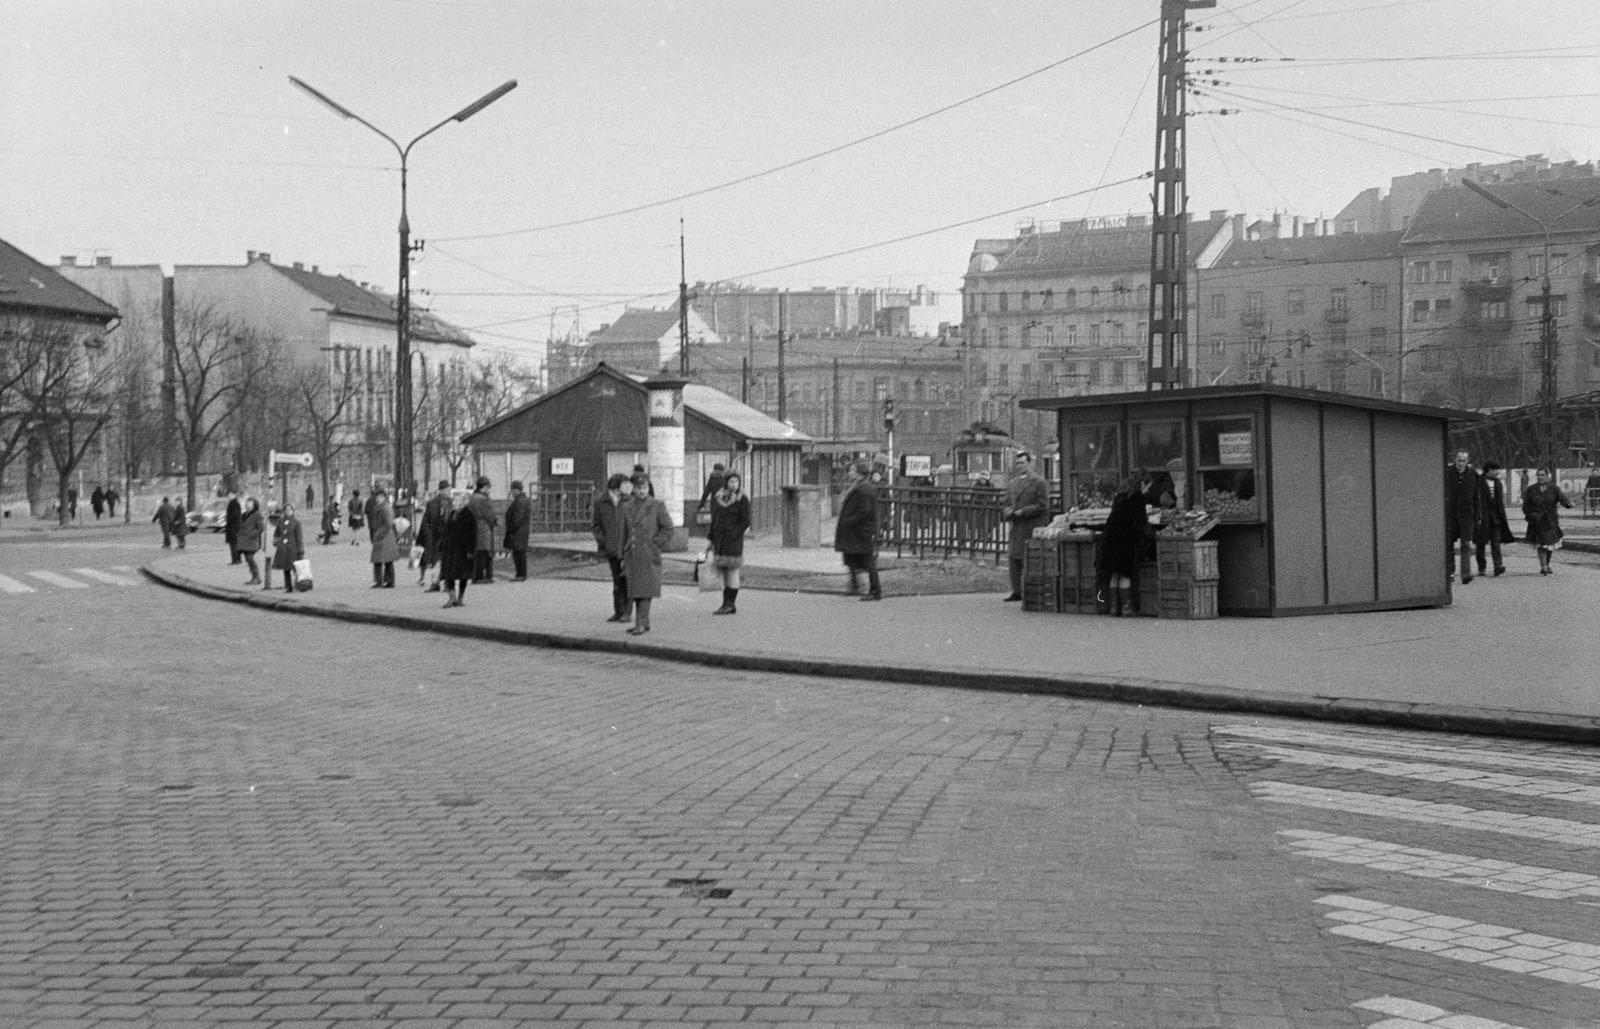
{"points": [[888, 413]]}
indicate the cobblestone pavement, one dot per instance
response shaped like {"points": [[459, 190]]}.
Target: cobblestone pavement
{"points": [[221, 816]]}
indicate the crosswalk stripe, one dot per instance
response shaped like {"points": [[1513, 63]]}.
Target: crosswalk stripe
{"points": [[1532, 827], [105, 577], [58, 580], [1483, 873], [1460, 939], [1395, 745], [1501, 782], [9, 585], [1409, 1014]]}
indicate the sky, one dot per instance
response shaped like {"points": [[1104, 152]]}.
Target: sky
{"points": [[854, 143]]}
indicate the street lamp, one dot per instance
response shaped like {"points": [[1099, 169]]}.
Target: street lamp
{"points": [[403, 478]]}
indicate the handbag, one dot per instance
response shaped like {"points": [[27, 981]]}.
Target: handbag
{"points": [[302, 575]]}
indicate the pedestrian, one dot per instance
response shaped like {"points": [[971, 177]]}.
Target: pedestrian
{"points": [[855, 535], [97, 500], [638, 471], [647, 529], [1541, 507], [714, 483], [180, 522], [330, 522], [1463, 513], [1027, 505], [486, 521], [355, 517], [311, 498], [288, 546], [72, 502], [1496, 528], [432, 532], [230, 527], [730, 520], [519, 520], [458, 551], [112, 496], [1127, 529], [163, 519], [606, 521], [385, 540], [247, 537]]}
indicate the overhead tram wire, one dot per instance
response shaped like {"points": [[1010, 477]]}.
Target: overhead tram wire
{"points": [[797, 162], [1302, 63], [1441, 106]]}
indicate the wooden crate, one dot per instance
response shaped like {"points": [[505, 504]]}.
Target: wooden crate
{"points": [[1041, 559], [1040, 594], [1196, 600], [1149, 588], [1180, 559], [1077, 559]]}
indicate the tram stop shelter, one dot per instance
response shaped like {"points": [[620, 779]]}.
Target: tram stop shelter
{"points": [[1327, 502]]}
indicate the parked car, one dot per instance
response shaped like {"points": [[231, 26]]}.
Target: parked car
{"points": [[213, 515]]}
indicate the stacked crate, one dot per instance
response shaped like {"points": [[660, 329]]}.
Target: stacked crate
{"points": [[1041, 575], [1149, 588], [1078, 575], [1187, 571]]}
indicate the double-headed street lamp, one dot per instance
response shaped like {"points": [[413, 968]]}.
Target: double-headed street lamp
{"points": [[403, 477]]}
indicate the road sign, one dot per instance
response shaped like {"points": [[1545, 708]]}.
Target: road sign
{"points": [[1578, 447], [303, 460]]}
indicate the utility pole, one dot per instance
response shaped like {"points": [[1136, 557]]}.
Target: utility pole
{"points": [[683, 307], [1167, 350], [783, 392], [837, 397]]}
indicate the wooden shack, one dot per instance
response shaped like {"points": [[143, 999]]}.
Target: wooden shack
{"points": [[1327, 502]]}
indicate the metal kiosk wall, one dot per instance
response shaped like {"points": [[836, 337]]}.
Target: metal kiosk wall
{"points": [[1328, 502]]}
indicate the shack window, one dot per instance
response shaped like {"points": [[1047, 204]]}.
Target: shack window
{"points": [[1158, 447], [1094, 464], [1230, 453]]}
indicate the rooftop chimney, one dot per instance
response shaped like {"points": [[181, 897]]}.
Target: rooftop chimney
{"points": [[69, 261], [1218, 215], [249, 256], [102, 261], [265, 256], [299, 267]]}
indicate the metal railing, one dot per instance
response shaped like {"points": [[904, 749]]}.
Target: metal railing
{"points": [[928, 520], [564, 507]]}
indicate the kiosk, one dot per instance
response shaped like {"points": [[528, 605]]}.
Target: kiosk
{"points": [[1327, 502]]}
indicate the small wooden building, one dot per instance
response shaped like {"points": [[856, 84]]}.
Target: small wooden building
{"points": [[1328, 502], [598, 424]]}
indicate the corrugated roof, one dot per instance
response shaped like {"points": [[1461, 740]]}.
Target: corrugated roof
{"points": [[638, 325], [734, 415], [1353, 246], [1456, 214], [26, 283]]}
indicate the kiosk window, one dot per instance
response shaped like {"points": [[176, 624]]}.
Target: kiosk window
{"points": [[1229, 457], [1158, 448], [1094, 464]]}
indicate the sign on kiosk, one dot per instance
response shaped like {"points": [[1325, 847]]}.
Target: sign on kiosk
{"points": [[1236, 448]]}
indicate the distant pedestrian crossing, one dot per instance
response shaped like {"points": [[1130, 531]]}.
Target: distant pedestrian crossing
{"points": [[22, 583], [1443, 854]]}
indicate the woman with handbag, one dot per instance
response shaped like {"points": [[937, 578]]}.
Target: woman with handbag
{"points": [[385, 541], [288, 546], [730, 520], [1540, 506]]}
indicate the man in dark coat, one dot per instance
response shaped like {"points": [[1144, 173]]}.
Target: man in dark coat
{"points": [[608, 524], [714, 483], [435, 527], [1496, 527], [230, 528], [856, 533], [519, 520], [1027, 505], [97, 500], [486, 521], [356, 517], [163, 518], [1463, 512]]}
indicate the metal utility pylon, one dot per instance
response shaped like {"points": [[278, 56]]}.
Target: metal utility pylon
{"points": [[1167, 353]]}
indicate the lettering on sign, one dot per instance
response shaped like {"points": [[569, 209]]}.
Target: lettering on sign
{"points": [[918, 465], [561, 465], [1236, 448]]}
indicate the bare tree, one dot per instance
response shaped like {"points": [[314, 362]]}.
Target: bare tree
{"points": [[459, 398], [324, 399], [22, 355]]}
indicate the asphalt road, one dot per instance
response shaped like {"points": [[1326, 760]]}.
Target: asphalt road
{"points": [[219, 816]]}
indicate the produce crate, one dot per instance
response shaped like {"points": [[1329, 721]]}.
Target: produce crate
{"points": [[1149, 588], [1041, 559], [1181, 560], [1194, 600], [1041, 594]]}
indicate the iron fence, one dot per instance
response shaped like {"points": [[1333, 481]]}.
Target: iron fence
{"points": [[928, 520], [564, 507]]}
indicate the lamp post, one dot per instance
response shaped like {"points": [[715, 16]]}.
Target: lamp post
{"points": [[403, 478]]}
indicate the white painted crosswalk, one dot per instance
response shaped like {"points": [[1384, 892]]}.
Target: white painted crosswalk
{"points": [[1490, 845], [37, 581]]}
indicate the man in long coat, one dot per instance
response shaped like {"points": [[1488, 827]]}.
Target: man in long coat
{"points": [[230, 527], [606, 521], [1463, 512], [647, 530], [1027, 506], [519, 520], [385, 541], [855, 535], [483, 512]]}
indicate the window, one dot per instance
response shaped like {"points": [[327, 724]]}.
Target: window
{"points": [[1377, 339], [1219, 343], [1049, 298], [1339, 299], [1094, 334], [1119, 334], [1380, 297], [1094, 296], [1072, 335], [1027, 298], [1443, 271], [983, 337], [1049, 335], [1093, 459], [1558, 307], [1536, 265], [1337, 338], [1002, 374], [1072, 298], [1119, 373], [1027, 336], [1421, 271], [1252, 303], [1492, 311], [1228, 450], [1297, 301], [1419, 310], [1219, 305], [1159, 447], [1257, 346], [1024, 373], [1442, 309], [1004, 337], [1338, 380], [983, 301]]}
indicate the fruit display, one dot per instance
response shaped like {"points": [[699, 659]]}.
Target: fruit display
{"points": [[1088, 517], [1060, 528], [1228, 506], [1188, 524]]}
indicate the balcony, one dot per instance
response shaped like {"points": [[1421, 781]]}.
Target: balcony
{"points": [[1487, 289], [1591, 284], [1253, 319], [1336, 315]]}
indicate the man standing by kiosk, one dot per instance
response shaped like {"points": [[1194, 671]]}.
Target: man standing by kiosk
{"points": [[1027, 506]]}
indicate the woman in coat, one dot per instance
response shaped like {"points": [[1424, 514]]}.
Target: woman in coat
{"points": [[730, 520], [248, 538], [385, 541], [458, 550], [1127, 526], [647, 528], [1495, 527], [288, 546], [1540, 505]]}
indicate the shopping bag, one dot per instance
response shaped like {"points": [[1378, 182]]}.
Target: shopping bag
{"points": [[302, 575], [705, 576]]}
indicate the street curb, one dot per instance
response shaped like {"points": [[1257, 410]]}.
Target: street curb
{"points": [[1530, 725]]}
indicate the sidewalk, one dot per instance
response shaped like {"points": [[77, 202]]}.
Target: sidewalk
{"points": [[1513, 655]]}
